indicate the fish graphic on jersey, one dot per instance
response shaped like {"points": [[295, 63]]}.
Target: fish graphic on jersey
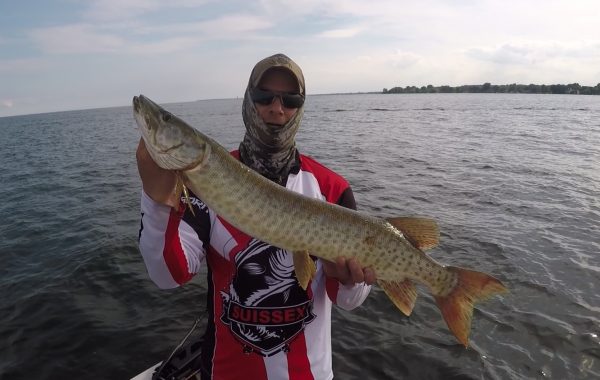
{"points": [[265, 308]]}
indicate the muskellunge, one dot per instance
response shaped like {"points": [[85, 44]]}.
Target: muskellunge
{"points": [[269, 212]]}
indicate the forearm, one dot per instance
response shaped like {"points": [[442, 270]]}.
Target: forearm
{"points": [[352, 296], [170, 248]]}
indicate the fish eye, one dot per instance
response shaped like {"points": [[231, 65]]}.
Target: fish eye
{"points": [[166, 116]]}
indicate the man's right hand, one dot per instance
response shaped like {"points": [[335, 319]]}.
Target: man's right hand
{"points": [[157, 182]]}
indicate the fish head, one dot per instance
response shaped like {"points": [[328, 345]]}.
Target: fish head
{"points": [[172, 143]]}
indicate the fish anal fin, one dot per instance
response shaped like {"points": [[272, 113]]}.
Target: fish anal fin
{"points": [[457, 306], [403, 294], [423, 233], [304, 267]]}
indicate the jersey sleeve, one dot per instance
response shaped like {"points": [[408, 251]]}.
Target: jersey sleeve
{"points": [[347, 297], [347, 199], [171, 242]]}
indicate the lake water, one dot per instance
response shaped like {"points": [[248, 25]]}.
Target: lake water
{"points": [[513, 180]]}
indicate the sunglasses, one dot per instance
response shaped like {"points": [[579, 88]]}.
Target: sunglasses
{"points": [[265, 98]]}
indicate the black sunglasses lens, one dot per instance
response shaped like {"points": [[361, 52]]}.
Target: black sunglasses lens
{"points": [[262, 97], [266, 97], [292, 100]]}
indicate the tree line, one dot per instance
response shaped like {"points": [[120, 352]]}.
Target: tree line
{"points": [[514, 88]]}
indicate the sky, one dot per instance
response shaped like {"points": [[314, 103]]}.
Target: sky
{"points": [[77, 54]]}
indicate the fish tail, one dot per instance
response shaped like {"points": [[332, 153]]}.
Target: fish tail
{"points": [[457, 305]]}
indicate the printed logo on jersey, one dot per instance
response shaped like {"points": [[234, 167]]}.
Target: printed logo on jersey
{"points": [[266, 307], [195, 202]]}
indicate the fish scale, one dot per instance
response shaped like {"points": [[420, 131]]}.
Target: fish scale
{"points": [[302, 223], [299, 224]]}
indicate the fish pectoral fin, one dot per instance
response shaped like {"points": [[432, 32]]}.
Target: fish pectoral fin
{"points": [[178, 190], [181, 189], [304, 267], [187, 200], [423, 233], [402, 293]]}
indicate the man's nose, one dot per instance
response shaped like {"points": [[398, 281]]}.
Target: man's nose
{"points": [[277, 104]]}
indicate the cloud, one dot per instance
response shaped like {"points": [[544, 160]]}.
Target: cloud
{"points": [[535, 52], [340, 33], [111, 10], [403, 59], [395, 60], [21, 65], [205, 48], [233, 25], [505, 54], [167, 45], [8, 103], [116, 9], [292, 7], [236, 25], [85, 38], [76, 38], [337, 8]]}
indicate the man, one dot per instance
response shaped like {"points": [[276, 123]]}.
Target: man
{"points": [[262, 324]]}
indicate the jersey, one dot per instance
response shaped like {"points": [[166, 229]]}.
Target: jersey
{"points": [[261, 324]]}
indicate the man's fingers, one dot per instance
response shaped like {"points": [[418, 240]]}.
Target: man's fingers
{"points": [[349, 271], [370, 277], [343, 273], [356, 271], [340, 261]]}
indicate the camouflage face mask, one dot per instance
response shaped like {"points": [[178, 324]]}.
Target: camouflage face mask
{"points": [[270, 149]]}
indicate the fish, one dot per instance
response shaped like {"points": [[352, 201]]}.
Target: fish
{"points": [[394, 248]]}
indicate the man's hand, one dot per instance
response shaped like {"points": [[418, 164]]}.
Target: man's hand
{"points": [[157, 182], [349, 271]]}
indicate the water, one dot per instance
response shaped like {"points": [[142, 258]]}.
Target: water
{"points": [[513, 180]]}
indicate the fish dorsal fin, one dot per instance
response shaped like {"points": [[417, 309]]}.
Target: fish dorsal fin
{"points": [[423, 233]]}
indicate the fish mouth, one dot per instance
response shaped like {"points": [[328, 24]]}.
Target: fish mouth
{"points": [[142, 103], [137, 99], [142, 112], [136, 104]]}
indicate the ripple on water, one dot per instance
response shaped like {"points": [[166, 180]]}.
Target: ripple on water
{"points": [[511, 179]]}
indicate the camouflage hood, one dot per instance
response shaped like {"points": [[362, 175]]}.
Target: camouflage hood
{"points": [[270, 149]]}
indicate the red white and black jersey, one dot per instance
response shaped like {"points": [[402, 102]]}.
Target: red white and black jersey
{"points": [[262, 324]]}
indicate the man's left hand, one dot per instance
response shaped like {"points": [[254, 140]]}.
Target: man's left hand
{"points": [[349, 271]]}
